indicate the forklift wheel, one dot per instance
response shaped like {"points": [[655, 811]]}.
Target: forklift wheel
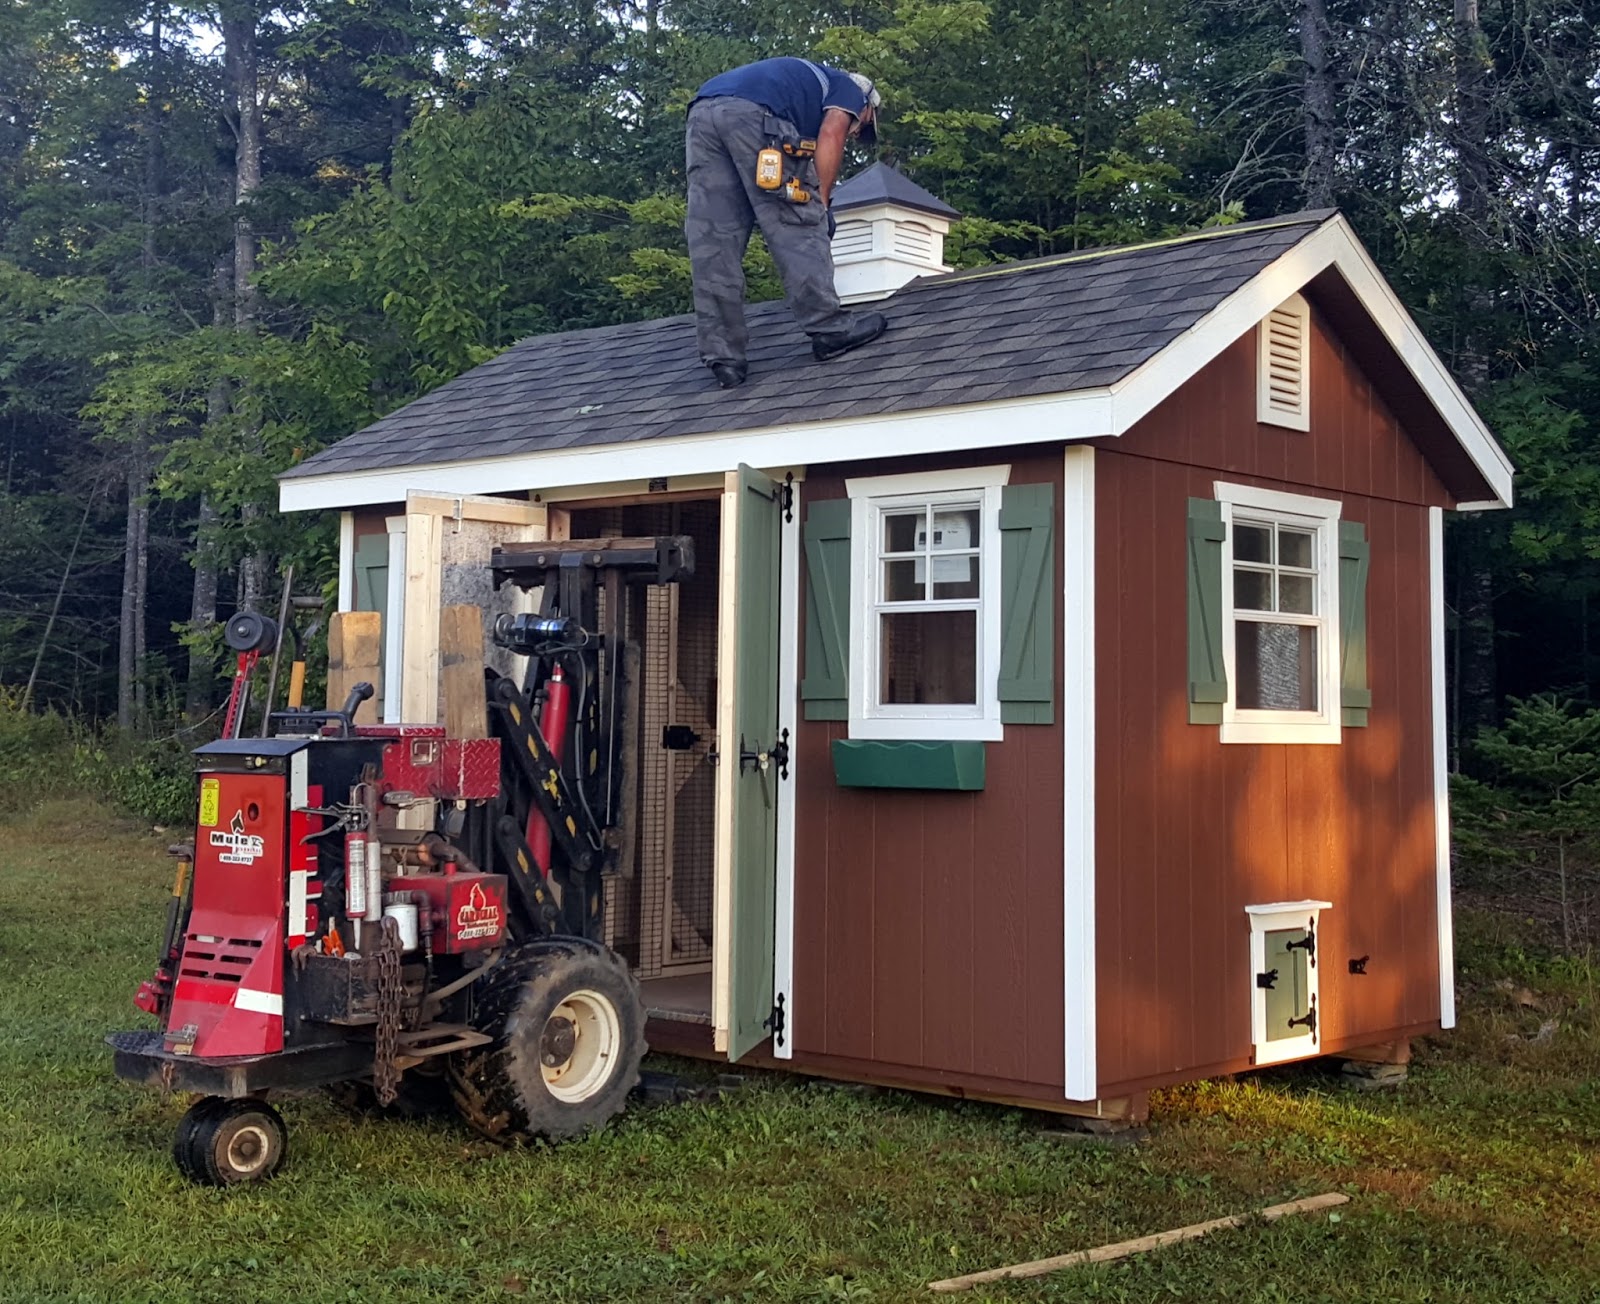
{"points": [[226, 1142], [569, 1034]]}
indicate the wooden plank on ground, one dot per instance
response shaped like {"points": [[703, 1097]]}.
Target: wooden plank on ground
{"points": [[355, 642], [1123, 1249], [461, 664]]}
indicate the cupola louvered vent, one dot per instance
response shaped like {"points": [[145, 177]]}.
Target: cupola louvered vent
{"points": [[854, 240], [890, 231], [1283, 379], [914, 241]]}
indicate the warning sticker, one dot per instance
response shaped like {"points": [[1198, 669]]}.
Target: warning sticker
{"points": [[210, 802], [237, 846]]}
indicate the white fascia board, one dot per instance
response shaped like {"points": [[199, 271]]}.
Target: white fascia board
{"points": [[1333, 244], [1441, 774], [1085, 414]]}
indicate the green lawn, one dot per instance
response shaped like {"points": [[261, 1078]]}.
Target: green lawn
{"points": [[1477, 1181]]}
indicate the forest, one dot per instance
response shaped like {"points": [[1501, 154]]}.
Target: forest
{"points": [[232, 233]]}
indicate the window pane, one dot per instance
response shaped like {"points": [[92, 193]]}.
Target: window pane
{"points": [[900, 530], [1252, 542], [1295, 594], [1276, 666], [1294, 548], [902, 581], [955, 577], [929, 657], [1290, 997], [1252, 590], [955, 528]]}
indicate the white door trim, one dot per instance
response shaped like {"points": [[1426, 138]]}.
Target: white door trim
{"points": [[788, 718], [1078, 797]]}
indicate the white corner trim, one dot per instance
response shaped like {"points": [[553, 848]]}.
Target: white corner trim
{"points": [[1441, 775], [1078, 764], [788, 721], [347, 561]]}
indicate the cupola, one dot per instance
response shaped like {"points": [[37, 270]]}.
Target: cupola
{"points": [[890, 231]]}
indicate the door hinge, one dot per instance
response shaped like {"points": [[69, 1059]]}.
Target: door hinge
{"points": [[774, 1021], [1308, 943], [1308, 1021], [786, 496]]}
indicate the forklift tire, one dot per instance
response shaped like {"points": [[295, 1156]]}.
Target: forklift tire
{"points": [[569, 1036], [228, 1142]]}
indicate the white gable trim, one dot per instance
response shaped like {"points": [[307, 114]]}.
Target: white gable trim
{"points": [[1085, 414]]}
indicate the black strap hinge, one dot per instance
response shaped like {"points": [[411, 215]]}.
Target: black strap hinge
{"points": [[774, 1021]]}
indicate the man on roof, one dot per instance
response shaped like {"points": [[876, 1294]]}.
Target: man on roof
{"points": [[764, 145]]}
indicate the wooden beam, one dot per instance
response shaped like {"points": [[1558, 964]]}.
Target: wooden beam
{"points": [[1123, 1249], [477, 507], [466, 712], [355, 641], [419, 640]]}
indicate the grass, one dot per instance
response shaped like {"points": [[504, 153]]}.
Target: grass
{"points": [[1477, 1181]]}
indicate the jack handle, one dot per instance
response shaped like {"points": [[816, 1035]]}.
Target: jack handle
{"points": [[359, 693]]}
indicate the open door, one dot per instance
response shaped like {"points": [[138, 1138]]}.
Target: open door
{"points": [[750, 762]]}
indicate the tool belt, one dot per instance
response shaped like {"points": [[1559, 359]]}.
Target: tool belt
{"points": [[784, 161]]}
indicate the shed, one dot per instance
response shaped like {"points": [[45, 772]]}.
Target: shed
{"points": [[1100, 606]]}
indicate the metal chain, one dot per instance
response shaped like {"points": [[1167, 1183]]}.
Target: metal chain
{"points": [[385, 1076]]}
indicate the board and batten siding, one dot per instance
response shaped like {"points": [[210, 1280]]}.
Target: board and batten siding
{"points": [[1191, 831], [928, 940]]}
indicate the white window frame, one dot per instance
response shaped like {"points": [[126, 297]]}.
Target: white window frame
{"points": [[870, 497], [1321, 517], [1271, 918]]}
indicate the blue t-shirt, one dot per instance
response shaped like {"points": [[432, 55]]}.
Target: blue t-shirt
{"points": [[796, 89]]}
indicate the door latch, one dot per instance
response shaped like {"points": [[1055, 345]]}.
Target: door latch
{"points": [[777, 754], [1267, 980]]}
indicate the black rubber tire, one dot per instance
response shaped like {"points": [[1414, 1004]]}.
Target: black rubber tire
{"points": [[230, 1142], [501, 1089]]}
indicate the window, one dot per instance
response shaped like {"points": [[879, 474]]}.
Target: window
{"points": [[1280, 627], [925, 605], [1283, 980], [1283, 379]]}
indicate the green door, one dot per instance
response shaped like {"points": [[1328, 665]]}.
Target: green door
{"points": [[750, 774]]}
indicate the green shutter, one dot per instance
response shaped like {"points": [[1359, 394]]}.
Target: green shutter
{"points": [[371, 562], [1208, 680], [1027, 604], [1354, 556], [825, 690]]}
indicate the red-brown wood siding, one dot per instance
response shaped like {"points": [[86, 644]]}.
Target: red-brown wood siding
{"points": [[1189, 831], [928, 924]]}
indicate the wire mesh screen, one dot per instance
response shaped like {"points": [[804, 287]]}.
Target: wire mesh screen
{"points": [[660, 919]]}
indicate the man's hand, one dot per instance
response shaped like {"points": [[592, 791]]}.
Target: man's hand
{"points": [[836, 125]]}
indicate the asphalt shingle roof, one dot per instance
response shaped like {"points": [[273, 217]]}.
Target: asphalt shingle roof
{"points": [[1049, 326]]}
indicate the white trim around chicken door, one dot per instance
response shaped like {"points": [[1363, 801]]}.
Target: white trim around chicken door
{"points": [[1441, 775], [1078, 797]]}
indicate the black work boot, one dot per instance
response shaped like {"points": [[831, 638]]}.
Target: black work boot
{"points": [[865, 328], [729, 375]]}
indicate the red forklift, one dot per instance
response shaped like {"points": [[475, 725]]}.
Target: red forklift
{"points": [[384, 909]]}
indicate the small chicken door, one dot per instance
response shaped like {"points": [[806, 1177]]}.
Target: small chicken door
{"points": [[1283, 980]]}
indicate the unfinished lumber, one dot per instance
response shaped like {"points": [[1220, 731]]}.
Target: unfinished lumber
{"points": [[355, 642], [466, 713], [1123, 1249]]}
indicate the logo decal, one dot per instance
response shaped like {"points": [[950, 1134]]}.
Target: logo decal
{"points": [[480, 917], [210, 803], [237, 846]]}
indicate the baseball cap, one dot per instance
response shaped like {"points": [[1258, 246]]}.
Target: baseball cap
{"points": [[868, 133]]}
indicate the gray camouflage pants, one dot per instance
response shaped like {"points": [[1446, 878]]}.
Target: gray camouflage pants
{"points": [[725, 135]]}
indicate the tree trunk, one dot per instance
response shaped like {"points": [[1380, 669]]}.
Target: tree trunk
{"points": [[201, 683], [135, 569], [1318, 101], [239, 40]]}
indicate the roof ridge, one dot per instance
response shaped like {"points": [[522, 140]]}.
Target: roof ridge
{"points": [[1312, 217]]}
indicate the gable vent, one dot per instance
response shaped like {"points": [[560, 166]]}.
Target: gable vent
{"points": [[1283, 395]]}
